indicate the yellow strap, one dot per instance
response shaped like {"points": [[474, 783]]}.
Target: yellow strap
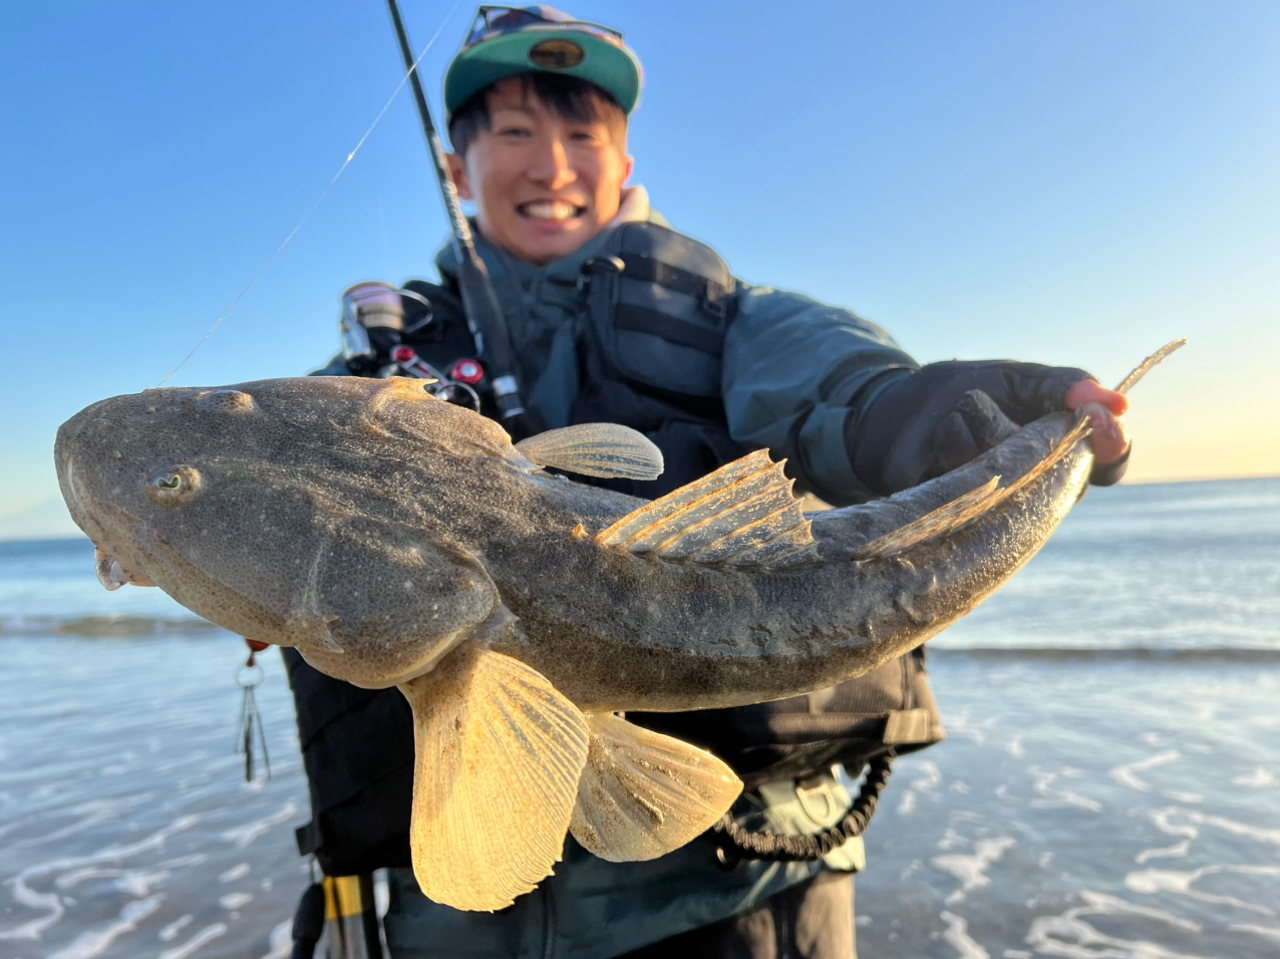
{"points": [[330, 900], [350, 897]]}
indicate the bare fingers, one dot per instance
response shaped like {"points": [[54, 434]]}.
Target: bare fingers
{"points": [[1110, 440], [1091, 391]]}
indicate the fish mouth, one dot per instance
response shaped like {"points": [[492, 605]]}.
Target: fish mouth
{"points": [[119, 539], [114, 566], [114, 572]]}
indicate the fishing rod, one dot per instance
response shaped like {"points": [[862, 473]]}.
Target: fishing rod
{"points": [[484, 314]]}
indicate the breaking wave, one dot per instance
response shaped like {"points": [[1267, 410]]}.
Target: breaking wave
{"points": [[105, 626]]}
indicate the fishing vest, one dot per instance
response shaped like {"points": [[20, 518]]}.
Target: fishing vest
{"points": [[649, 338]]}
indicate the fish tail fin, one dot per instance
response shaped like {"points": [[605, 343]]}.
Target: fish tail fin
{"points": [[499, 753], [1147, 365], [644, 794], [970, 506]]}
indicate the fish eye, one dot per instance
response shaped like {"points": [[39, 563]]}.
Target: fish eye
{"points": [[173, 485]]}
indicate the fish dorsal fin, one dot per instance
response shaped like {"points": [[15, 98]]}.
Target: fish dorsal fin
{"points": [[498, 756], [967, 507], [643, 794], [940, 522], [595, 449], [743, 514]]}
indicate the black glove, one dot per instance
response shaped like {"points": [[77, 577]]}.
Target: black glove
{"points": [[914, 425]]}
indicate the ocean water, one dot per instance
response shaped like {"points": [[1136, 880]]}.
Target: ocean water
{"points": [[1110, 788]]}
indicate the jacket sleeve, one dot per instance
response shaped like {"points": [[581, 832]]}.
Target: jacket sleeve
{"points": [[793, 369]]}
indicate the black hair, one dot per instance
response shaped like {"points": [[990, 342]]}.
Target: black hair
{"points": [[570, 97]]}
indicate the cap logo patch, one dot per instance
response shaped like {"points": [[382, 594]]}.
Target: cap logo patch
{"points": [[557, 54]]}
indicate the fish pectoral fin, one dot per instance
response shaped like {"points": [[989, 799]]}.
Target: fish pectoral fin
{"points": [[644, 794], [498, 756], [596, 449], [743, 514]]}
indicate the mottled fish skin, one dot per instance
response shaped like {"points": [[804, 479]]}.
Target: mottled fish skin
{"points": [[376, 529]]}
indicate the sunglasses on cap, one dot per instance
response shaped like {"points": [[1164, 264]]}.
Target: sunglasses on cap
{"points": [[496, 21]]}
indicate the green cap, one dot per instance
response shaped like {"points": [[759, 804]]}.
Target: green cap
{"points": [[505, 41]]}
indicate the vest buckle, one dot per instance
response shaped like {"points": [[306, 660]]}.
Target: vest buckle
{"points": [[713, 309]]}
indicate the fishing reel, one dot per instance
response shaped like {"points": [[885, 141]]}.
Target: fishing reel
{"points": [[373, 333]]}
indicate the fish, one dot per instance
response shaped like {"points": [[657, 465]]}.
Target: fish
{"points": [[397, 540]]}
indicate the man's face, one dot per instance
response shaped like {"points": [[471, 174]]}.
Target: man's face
{"points": [[543, 184]]}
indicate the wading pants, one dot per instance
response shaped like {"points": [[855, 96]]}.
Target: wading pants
{"points": [[811, 921], [593, 909]]}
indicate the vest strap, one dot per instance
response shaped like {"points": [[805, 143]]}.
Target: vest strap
{"points": [[641, 319], [907, 726], [646, 268]]}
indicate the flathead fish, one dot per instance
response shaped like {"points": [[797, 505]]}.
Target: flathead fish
{"points": [[394, 539]]}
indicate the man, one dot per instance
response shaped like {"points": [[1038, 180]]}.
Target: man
{"points": [[616, 317]]}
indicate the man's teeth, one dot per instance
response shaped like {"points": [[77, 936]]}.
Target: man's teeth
{"points": [[550, 210]]}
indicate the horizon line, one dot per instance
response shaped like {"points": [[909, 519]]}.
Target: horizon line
{"points": [[63, 536]]}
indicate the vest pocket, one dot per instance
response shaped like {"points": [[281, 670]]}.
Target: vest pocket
{"points": [[658, 306]]}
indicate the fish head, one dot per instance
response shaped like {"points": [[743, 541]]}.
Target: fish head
{"points": [[291, 512]]}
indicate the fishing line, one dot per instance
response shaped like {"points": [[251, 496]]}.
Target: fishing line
{"points": [[292, 233]]}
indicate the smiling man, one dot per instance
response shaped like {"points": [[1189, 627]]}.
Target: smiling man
{"points": [[545, 163], [615, 316]]}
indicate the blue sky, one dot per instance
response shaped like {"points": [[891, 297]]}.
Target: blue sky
{"points": [[1069, 183]]}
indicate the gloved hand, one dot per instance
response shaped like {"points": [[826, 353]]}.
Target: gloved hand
{"points": [[914, 425]]}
